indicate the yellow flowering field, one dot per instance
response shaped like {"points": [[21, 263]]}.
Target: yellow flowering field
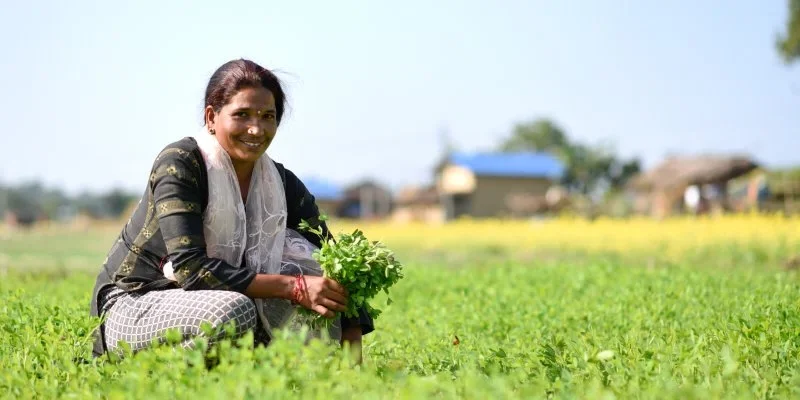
{"points": [[671, 237]]}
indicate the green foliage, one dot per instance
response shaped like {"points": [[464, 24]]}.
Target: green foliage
{"points": [[788, 42], [365, 268], [588, 168], [721, 323], [32, 201]]}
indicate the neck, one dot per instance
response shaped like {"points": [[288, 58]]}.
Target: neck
{"points": [[244, 171]]}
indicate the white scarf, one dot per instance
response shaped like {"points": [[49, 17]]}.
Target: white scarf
{"points": [[255, 231]]}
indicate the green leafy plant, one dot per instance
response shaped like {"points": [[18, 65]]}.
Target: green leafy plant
{"points": [[363, 267], [716, 320]]}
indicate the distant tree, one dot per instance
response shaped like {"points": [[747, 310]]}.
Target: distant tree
{"points": [[588, 168], [51, 201], [788, 42], [4, 191], [538, 135], [116, 201], [91, 205], [24, 201], [31, 201], [624, 171]]}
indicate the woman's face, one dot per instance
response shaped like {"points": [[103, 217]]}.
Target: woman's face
{"points": [[246, 125]]}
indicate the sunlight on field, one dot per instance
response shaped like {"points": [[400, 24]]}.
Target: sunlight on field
{"points": [[83, 246]]}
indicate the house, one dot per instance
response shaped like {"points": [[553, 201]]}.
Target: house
{"points": [[695, 183], [418, 204], [365, 200], [485, 185], [767, 190], [327, 195]]}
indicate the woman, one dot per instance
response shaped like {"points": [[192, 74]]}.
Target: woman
{"points": [[215, 237]]}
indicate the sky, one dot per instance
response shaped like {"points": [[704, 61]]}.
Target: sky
{"points": [[95, 89]]}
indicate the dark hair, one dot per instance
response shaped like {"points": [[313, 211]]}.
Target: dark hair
{"points": [[236, 75]]}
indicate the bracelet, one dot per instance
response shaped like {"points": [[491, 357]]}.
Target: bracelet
{"points": [[299, 289]]}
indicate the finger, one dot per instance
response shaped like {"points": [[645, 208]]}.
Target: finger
{"points": [[322, 310], [332, 305], [336, 286], [335, 296]]}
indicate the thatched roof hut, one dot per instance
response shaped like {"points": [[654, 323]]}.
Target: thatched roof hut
{"points": [[418, 204], [678, 172], [415, 195]]}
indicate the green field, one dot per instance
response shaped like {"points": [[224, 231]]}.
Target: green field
{"points": [[561, 325]]}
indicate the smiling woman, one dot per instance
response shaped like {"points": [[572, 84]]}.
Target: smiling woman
{"points": [[215, 238]]}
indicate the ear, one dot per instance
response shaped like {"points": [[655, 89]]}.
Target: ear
{"points": [[210, 117]]}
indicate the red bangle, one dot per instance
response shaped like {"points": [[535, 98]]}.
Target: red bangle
{"points": [[299, 289]]}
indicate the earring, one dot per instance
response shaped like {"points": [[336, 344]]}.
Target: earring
{"points": [[211, 131]]}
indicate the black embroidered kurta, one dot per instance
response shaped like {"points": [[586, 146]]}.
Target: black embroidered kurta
{"points": [[169, 221]]}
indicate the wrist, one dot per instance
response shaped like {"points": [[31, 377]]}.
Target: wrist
{"points": [[265, 286], [299, 292]]}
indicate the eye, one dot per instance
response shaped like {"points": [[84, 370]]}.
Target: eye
{"points": [[241, 114], [269, 116]]}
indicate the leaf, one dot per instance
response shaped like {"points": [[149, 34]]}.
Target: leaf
{"points": [[605, 355]]}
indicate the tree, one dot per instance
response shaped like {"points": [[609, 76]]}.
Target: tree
{"points": [[116, 201], [788, 42], [539, 135], [24, 200], [588, 168]]}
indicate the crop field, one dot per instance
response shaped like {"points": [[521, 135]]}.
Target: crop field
{"points": [[684, 308]]}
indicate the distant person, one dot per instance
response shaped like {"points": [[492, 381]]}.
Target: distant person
{"points": [[691, 198], [215, 236]]}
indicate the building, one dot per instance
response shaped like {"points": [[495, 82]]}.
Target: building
{"points": [[485, 185], [366, 200], [421, 204], [327, 195], [698, 184]]}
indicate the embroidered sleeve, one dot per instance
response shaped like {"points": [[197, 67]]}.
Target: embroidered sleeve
{"points": [[177, 191]]}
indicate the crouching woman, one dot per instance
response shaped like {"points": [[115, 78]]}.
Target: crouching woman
{"points": [[215, 237]]}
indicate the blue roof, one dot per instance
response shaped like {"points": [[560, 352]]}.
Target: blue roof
{"points": [[519, 164], [322, 190]]}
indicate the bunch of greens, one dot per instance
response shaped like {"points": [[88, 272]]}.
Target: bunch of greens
{"points": [[363, 267]]}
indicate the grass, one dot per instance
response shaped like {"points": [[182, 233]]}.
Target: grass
{"points": [[673, 309]]}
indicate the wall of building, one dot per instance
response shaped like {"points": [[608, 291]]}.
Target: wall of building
{"points": [[489, 197], [328, 207], [454, 179]]}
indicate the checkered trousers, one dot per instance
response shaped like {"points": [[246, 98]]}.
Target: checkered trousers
{"points": [[138, 319]]}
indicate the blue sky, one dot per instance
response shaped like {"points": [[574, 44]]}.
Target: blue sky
{"points": [[94, 90]]}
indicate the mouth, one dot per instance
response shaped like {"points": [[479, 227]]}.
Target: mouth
{"points": [[253, 144]]}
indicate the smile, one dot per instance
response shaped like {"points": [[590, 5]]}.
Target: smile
{"points": [[252, 145]]}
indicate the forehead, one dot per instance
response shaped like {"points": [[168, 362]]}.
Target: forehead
{"points": [[258, 98]]}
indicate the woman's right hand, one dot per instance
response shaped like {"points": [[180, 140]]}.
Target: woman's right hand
{"points": [[320, 294]]}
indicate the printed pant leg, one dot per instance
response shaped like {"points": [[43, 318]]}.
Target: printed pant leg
{"points": [[139, 318]]}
